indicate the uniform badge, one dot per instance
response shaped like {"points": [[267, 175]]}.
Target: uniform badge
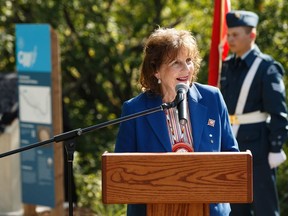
{"points": [[237, 15], [272, 70], [211, 122]]}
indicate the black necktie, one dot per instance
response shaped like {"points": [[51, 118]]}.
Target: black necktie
{"points": [[237, 62]]}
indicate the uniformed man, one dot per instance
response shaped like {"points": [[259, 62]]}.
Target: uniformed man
{"points": [[253, 89]]}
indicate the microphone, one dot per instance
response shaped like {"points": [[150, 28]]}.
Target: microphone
{"points": [[181, 100]]}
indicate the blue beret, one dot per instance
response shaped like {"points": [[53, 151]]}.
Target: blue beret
{"points": [[241, 18]]}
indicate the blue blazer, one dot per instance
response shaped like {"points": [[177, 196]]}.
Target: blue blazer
{"points": [[149, 133]]}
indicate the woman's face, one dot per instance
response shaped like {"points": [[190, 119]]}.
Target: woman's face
{"points": [[178, 70]]}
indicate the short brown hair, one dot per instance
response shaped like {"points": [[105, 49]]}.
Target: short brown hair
{"points": [[163, 45]]}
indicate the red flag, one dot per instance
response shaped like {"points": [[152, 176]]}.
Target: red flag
{"points": [[219, 47]]}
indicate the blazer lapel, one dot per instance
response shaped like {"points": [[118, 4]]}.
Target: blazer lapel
{"points": [[157, 122], [198, 116], [198, 113]]}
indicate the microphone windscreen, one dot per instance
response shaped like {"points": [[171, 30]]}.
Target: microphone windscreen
{"points": [[183, 86]]}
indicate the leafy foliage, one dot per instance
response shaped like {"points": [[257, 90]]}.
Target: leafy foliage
{"points": [[101, 50], [90, 193]]}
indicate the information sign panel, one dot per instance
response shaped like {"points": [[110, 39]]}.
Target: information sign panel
{"points": [[33, 63]]}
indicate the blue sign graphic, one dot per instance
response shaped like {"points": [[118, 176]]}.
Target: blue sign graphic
{"points": [[33, 48]]}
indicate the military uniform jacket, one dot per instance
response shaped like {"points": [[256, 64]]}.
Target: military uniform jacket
{"points": [[266, 94]]}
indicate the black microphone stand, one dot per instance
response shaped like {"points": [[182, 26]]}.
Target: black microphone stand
{"points": [[70, 138]]}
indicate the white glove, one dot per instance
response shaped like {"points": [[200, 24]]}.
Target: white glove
{"points": [[275, 159]]}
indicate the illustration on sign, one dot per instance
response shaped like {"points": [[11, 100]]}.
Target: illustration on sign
{"points": [[32, 54], [35, 103], [27, 59]]}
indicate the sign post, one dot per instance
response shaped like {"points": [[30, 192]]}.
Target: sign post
{"points": [[40, 113]]}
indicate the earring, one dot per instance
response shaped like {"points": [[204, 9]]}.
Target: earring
{"points": [[159, 81]]}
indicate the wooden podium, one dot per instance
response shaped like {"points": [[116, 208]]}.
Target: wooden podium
{"points": [[177, 183]]}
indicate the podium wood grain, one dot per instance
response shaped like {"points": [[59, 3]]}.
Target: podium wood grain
{"points": [[194, 209], [171, 178]]}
